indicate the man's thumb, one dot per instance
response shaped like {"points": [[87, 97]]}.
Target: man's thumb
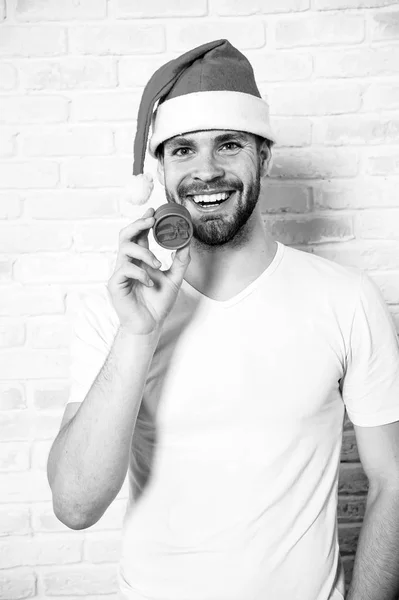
{"points": [[180, 261]]}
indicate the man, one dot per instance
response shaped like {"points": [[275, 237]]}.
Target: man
{"points": [[220, 384]]}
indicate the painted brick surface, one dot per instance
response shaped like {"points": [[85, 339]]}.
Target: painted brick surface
{"points": [[71, 77]]}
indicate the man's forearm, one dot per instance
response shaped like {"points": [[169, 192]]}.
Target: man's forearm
{"points": [[89, 458], [376, 568]]}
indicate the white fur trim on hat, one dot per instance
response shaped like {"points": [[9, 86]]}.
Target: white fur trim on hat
{"points": [[210, 110]]}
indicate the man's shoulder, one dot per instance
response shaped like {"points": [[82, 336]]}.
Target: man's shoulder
{"points": [[321, 264], [320, 279]]}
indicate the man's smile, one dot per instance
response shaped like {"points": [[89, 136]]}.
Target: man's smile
{"points": [[210, 201]]}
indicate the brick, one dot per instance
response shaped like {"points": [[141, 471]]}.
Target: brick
{"points": [[11, 396], [17, 584], [315, 98], [50, 395], [47, 10], [365, 255], [48, 332], [10, 205], [311, 230], [338, 4], [24, 487], [348, 563], [6, 270], [67, 141], [105, 106], [80, 580], [351, 508], [28, 425], [385, 26], [383, 162], [17, 300], [100, 548], [280, 66], [124, 137], [389, 286], [320, 30], [242, 34], [292, 132], [33, 364], [33, 109], [12, 333], [97, 172], [362, 193], [15, 521], [100, 236], [364, 62], [72, 204], [352, 479], [348, 536], [315, 163], [8, 144], [61, 268], [372, 224], [348, 426], [283, 198], [35, 173], [357, 129], [158, 8], [32, 41], [44, 519], [16, 552], [14, 456], [40, 452], [135, 71], [379, 95], [349, 452], [236, 8], [117, 39], [34, 237], [8, 77], [68, 74]]}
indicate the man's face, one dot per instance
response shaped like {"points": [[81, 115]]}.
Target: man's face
{"points": [[216, 176]]}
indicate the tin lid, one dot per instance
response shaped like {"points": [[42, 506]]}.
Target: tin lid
{"points": [[173, 228]]}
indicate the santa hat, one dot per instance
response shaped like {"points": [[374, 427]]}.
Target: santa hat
{"points": [[209, 87]]}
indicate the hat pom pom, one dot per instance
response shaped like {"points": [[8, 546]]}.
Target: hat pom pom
{"points": [[140, 188]]}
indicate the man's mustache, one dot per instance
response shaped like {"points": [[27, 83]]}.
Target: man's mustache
{"points": [[220, 186]]}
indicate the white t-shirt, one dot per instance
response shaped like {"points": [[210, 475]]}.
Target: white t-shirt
{"points": [[236, 451]]}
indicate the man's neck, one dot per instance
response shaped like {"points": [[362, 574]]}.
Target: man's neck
{"points": [[221, 272]]}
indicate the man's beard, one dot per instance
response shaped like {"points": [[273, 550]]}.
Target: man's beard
{"points": [[218, 229]]}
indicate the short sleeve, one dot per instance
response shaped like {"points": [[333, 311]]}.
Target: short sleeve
{"points": [[93, 325], [370, 387]]}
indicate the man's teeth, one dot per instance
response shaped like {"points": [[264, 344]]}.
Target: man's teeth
{"points": [[211, 197]]}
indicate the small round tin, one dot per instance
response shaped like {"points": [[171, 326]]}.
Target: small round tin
{"points": [[173, 228]]}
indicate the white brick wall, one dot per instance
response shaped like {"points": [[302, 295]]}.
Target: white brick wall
{"points": [[71, 77]]}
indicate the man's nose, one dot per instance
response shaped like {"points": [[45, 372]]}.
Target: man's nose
{"points": [[207, 167]]}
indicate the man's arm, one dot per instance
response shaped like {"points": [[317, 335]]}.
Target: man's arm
{"points": [[376, 568], [89, 458]]}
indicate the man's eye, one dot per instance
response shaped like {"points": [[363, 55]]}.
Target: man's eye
{"points": [[232, 145], [181, 151]]}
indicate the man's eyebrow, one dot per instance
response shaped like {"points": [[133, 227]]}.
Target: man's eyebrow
{"points": [[180, 140], [236, 135]]}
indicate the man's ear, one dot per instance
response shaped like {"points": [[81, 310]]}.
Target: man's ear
{"points": [[161, 172], [265, 158]]}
